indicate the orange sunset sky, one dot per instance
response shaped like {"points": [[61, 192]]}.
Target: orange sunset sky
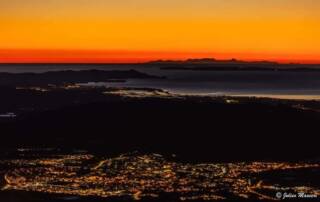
{"points": [[142, 30]]}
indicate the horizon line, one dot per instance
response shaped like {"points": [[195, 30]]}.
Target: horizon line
{"points": [[89, 61], [64, 56]]}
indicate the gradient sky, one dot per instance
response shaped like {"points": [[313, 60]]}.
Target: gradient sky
{"points": [[139, 30]]}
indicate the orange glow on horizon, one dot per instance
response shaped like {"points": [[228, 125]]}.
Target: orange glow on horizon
{"points": [[122, 31], [100, 56]]}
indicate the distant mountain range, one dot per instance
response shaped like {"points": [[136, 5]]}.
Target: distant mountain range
{"points": [[205, 64], [232, 64]]}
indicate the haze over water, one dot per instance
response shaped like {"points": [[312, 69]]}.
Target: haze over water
{"points": [[277, 84]]}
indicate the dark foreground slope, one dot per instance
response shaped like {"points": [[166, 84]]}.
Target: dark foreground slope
{"points": [[70, 77], [194, 128]]}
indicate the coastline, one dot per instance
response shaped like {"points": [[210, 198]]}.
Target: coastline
{"points": [[87, 117]]}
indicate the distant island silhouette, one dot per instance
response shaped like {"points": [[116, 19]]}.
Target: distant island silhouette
{"points": [[213, 64], [204, 64], [211, 60], [208, 60]]}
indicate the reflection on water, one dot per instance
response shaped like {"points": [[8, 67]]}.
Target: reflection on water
{"points": [[8, 115], [152, 176], [287, 85], [276, 84]]}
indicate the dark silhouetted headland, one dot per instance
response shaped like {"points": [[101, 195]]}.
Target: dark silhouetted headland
{"points": [[71, 77]]}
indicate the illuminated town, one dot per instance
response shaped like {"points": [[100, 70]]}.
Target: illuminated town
{"points": [[138, 176]]}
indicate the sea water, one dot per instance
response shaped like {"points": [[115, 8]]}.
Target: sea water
{"points": [[280, 84]]}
